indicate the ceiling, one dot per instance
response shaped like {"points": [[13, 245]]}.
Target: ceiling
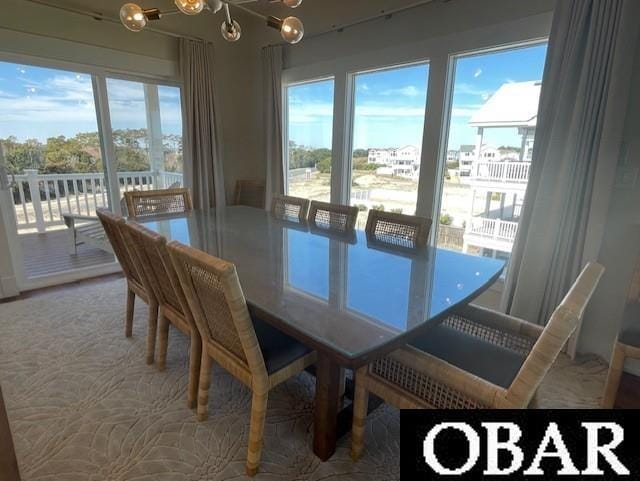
{"points": [[317, 15]]}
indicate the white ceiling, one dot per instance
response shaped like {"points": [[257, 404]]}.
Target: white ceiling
{"points": [[317, 15]]}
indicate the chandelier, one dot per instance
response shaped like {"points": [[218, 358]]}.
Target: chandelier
{"points": [[135, 18]]}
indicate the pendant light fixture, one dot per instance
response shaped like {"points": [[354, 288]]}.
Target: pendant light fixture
{"points": [[135, 18]]}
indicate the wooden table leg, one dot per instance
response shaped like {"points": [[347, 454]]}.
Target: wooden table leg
{"points": [[326, 407]]}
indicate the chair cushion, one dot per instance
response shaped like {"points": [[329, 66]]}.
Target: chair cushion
{"points": [[630, 332], [278, 349], [480, 358]]}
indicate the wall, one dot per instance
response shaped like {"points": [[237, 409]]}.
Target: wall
{"points": [[621, 245]]}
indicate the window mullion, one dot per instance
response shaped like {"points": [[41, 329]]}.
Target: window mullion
{"points": [[341, 145]]}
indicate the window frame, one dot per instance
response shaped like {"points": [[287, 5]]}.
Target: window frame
{"points": [[439, 52]]}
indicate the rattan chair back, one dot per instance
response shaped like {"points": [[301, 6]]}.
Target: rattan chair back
{"points": [[156, 202], [289, 208], [561, 326], [250, 193], [113, 225], [218, 305], [334, 217], [396, 229]]}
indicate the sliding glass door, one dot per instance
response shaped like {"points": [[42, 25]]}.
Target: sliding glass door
{"points": [[73, 142]]}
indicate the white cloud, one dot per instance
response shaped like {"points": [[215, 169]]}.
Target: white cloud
{"points": [[465, 111], [408, 91], [468, 89], [477, 73]]}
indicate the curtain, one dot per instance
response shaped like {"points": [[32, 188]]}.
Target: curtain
{"points": [[579, 132], [202, 154], [272, 78]]}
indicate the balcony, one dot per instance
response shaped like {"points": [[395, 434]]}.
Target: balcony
{"points": [[491, 233], [41, 230], [78, 194], [512, 176]]}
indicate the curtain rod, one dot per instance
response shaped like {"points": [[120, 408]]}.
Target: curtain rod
{"points": [[383, 14]]}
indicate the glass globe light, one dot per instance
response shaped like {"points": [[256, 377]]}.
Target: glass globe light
{"points": [[292, 30], [214, 5], [132, 16], [190, 7], [292, 3], [231, 32]]}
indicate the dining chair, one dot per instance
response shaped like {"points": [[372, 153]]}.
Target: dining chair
{"points": [[137, 283], [335, 217], [627, 344], [257, 354], [250, 193], [396, 229], [475, 359], [154, 202], [152, 257], [289, 208]]}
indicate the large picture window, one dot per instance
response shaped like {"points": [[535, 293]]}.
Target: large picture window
{"points": [[388, 123], [309, 137], [493, 114]]}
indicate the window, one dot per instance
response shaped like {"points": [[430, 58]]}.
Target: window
{"points": [[388, 124], [309, 134], [492, 125]]}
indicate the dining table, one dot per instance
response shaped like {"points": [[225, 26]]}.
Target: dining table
{"points": [[351, 297]]}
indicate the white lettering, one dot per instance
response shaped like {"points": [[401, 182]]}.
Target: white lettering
{"points": [[474, 448], [494, 446], [552, 435], [594, 449]]}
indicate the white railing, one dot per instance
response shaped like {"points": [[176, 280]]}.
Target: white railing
{"points": [[502, 172], [496, 229], [82, 194]]}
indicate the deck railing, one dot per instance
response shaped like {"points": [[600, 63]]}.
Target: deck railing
{"points": [[40, 200], [503, 172], [496, 229]]}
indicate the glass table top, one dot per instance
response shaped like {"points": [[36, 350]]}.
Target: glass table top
{"points": [[349, 295]]}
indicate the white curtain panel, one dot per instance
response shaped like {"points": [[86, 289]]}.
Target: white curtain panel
{"points": [[202, 136], [579, 130], [272, 78]]}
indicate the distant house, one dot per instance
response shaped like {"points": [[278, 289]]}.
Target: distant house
{"points": [[453, 156], [403, 162], [466, 157]]}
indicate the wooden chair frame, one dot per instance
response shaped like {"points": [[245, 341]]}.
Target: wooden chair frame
{"points": [[621, 351], [256, 193], [409, 378], [137, 284], [341, 218], [138, 202], [287, 207], [409, 231], [251, 370], [152, 256]]}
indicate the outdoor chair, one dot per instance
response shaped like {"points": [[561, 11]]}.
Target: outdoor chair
{"points": [[251, 350], [475, 359]]}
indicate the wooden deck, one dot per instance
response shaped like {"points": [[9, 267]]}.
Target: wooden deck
{"points": [[46, 254]]}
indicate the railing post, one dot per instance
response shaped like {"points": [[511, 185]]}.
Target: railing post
{"points": [[34, 191], [496, 229]]}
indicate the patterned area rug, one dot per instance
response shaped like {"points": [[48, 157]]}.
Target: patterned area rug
{"points": [[84, 406]]}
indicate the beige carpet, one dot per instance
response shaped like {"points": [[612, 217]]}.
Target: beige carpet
{"points": [[83, 405]]}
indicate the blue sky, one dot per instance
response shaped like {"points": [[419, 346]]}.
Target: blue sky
{"points": [[390, 104], [40, 103]]}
